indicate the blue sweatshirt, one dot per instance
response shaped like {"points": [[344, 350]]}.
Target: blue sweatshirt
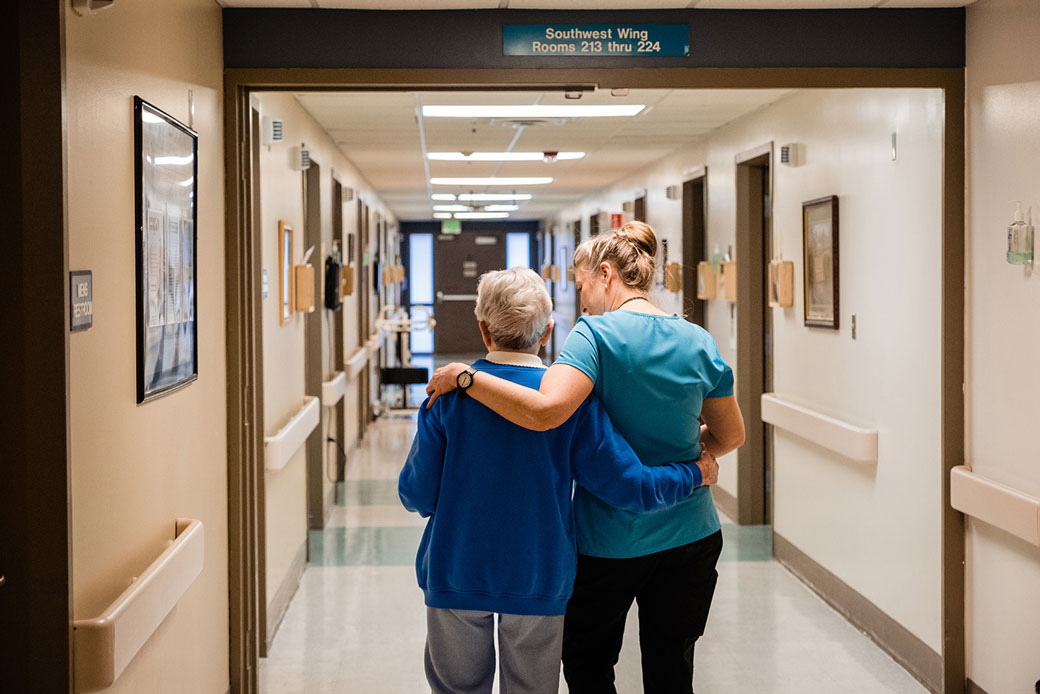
{"points": [[500, 535]]}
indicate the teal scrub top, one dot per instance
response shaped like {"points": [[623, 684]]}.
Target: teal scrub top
{"points": [[652, 374]]}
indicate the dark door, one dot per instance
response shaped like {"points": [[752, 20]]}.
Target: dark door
{"points": [[458, 261], [694, 238], [754, 351], [314, 371]]}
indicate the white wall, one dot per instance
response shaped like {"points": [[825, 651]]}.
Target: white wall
{"points": [[876, 528], [1003, 335], [136, 468], [283, 345]]}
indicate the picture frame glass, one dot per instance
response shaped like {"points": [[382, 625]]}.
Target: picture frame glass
{"points": [[166, 177], [820, 243]]}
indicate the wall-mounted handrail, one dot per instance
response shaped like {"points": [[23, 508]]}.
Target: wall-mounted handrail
{"points": [[1006, 508], [105, 645], [849, 440], [356, 363], [278, 449], [333, 389]]}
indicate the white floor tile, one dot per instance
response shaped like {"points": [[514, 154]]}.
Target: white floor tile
{"points": [[361, 629]]}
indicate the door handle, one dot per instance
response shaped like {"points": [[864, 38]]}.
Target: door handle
{"points": [[442, 297]]}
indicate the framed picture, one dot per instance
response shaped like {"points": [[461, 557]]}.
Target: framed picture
{"points": [[285, 270], [820, 267], [166, 177]]}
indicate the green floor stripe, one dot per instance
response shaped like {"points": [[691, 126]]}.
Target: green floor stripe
{"points": [[746, 542], [368, 493], [396, 546], [365, 546]]}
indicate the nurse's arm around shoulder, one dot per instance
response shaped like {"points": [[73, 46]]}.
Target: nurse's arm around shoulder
{"points": [[723, 428], [562, 390]]}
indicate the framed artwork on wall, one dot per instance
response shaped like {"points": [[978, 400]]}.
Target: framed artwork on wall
{"points": [[820, 266], [285, 273], [166, 186]]}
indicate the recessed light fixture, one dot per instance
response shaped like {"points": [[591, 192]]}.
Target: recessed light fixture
{"points": [[500, 156], [500, 208], [534, 111], [492, 181], [481, 215], [452, 208], [442, 215], [487, 197], [443, 196]]}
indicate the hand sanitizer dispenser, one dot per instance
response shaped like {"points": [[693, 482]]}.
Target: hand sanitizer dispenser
{"points": [[1020, 238]]}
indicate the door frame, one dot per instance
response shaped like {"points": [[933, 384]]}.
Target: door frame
{"points": [[35, 514], [314, 339], [239, 82], [694, 237], [751, 315]]}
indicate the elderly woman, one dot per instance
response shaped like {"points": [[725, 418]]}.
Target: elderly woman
{"points": [[500, 539], [658, 377]]}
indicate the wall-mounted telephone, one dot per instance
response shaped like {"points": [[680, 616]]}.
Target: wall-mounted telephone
{"points": [[332, 288]]}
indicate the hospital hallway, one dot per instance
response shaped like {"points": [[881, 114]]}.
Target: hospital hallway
{"points": [[357, 622], [248, 232]]}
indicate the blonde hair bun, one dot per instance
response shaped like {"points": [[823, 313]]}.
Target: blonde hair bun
{"points": [[632, 250]]}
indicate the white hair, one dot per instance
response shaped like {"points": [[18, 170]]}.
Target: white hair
{"points": [[515, 306]]}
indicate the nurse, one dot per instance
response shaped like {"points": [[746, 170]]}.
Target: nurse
{"points": [[670, 394]]}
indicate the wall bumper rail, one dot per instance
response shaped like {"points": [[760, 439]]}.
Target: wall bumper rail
{"points": [[356, 364], [849, 440], [281, 447], [105, 645], [333, 389], [1006, 508]]}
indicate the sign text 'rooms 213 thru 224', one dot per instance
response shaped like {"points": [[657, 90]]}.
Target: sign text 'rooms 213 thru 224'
{"points": [[646, 40]]}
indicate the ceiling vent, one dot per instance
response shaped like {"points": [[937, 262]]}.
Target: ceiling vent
{"points": [[526, 122], [272, 131]]}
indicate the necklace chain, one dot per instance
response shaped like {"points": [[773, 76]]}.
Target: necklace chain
{"points": [[631, 298]]}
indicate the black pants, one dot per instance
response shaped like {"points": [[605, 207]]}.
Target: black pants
{"points": [[673, 589]]}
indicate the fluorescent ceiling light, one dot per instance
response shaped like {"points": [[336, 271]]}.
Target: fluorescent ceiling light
{"points": [[442, 215], [443, 196], [485, 197], [533, 111], [481, 215], [500, 156], [500, 208], [492, 181], [452, 208]]}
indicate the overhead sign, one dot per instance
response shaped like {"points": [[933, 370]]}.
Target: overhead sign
{"points": [[632, 40], [451, 226]]}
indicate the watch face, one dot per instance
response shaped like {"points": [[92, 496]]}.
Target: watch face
{"points": [[464, 379]]}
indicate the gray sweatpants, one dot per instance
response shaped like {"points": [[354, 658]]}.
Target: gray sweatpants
{"points": [[460, 652]]}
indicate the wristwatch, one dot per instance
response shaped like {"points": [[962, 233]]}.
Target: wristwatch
{"points": [[465, 379]]}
